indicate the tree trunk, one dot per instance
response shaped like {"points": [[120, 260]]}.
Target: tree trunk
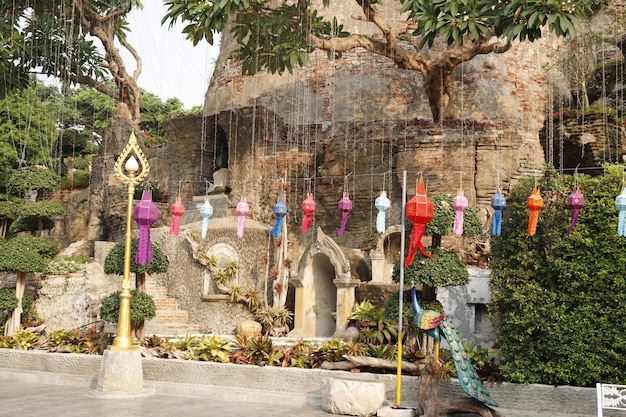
{"points": [[15, 318], [437, 86], [429, 404]]}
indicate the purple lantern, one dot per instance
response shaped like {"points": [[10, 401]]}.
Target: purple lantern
{"points": [[145, 214], [575, 202], [345, 207]]}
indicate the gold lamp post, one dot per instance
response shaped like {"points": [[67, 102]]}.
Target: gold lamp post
{"points": [[131, 167]]}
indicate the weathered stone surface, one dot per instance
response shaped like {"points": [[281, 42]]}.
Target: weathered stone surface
{"points": [[248, 328], [63, 302], [342, 395]]}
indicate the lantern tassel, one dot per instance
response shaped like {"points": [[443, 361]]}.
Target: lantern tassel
{"points": [[621, 225], [342, 226], [175, 226], [573, 222], [380, 221], [205, 227], [533, 219], [457, 228], [144, 246], [241, 221], [416, 243], [496, 226], [278, 227], [307, 221]]}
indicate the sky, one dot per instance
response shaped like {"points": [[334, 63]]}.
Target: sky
{"points": [[172, 66]]}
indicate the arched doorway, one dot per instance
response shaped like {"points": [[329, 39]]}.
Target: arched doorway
{"points": [[325, 291]]}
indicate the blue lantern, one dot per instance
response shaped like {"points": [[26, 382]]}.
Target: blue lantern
{"points": [[280, 211]]}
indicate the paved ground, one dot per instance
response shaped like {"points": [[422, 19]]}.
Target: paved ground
{"points": [[32, 399]]}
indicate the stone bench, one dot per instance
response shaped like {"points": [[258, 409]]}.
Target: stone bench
{"points": [[352, 396]]}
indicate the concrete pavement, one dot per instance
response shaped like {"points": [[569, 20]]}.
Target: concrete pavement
{"points": [[25, 397]]}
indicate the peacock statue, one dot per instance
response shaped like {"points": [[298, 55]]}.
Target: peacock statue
{"points": [[435, 324]]}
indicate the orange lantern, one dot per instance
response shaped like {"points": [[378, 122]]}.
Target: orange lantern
{"points": [[419, 211], [534, 204]]}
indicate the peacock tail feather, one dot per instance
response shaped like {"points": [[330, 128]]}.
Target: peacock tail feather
{"points": [[468, 378]]}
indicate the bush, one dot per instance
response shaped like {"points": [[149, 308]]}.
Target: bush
{"points": [[8, 302], [142, 307], [557, 299], [63, 266]]}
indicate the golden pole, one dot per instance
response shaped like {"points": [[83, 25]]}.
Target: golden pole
{"points": [[136, 165]]}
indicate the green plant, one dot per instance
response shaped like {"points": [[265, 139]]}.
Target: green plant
{"points": [[114, 262], [8, 302], [331, 351], [388, 352], [442, 270], [210, 348], [63, 266], [273, 319], [375, 327], [553, 294], [141, 307], [26, 340], [33, 178]]}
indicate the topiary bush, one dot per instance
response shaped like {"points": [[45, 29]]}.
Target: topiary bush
{"points": [[442, 270], [8, 302], [558, 301], [114, 262], [142, 307], [33, 178]]}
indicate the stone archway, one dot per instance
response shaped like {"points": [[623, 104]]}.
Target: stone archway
{"points": [[385, 255], [324, 289]]}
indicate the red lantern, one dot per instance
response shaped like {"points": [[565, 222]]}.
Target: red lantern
{"points": [[534, 204], [419, 211], [177, 210], [145, 213], [308, 208], [345, 206], [575, 202]]}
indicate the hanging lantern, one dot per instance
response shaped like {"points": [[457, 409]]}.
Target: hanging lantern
{"points": [[177, 210], [382, 203], [575, 202], [308, 208], [280, 211], [459, 203], [534, 204], [206, 211], [145, 214], [345, 207], [419, 211], [620, 203], [243, 208], [498, 203]]}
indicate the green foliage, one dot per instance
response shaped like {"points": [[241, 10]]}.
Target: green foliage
{"points": [[26, 340], [210, 349], [88, 341], [80, 179], [375, 328], [8, 302], [26, 254], [444, 269], [36, 216], [272, 318], [557, 299], [141, 307], [33, 178], [114, 262], [63, 266], [157, 194]]}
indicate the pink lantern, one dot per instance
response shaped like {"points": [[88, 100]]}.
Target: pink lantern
{"points": [[575, 202], [145, 214], [177, 210], [460, 204], [242, 211], [308, 208], [345, 207]]}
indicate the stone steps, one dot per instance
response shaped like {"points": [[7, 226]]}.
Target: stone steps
{"points": [[169, 320]]}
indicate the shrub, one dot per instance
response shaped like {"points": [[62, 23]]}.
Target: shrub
{"points": [[557, 299], [63, 266], [8, 302], [141, 307]]}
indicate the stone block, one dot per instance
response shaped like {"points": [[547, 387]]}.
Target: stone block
{"points": [[352, 396]]}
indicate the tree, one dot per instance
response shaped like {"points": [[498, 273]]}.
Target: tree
{"points": [[553, 295], [114, 264], [279, 37], [56, 38], [23, 255]]}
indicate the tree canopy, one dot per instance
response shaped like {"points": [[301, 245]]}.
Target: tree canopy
{"points": [[277, 36], [60, 39]]}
